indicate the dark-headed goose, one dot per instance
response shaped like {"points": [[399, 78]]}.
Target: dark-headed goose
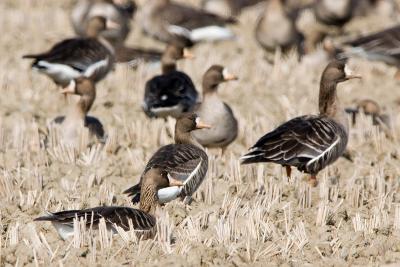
{"points": [[168, 21], [216, 112], [114, 216], [119, 11], [172, 92], [77, 117], [78, 57], [309, 142], [184, 162], [277, 29]]}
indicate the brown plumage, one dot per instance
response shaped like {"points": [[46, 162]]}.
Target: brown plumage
{"points": [[216, 112], [124, 217], [310, 142], [91, 57], [173, 92], [168, 21], [184, 162], [77, 117], [227, 8]]}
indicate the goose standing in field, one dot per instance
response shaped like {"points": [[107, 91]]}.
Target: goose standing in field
{"points": [[379, 46], [77, 117], [119, 11], [172, 92], [276, 28], [185, 164], [310, 142], [216, 112], [142, 223], [172, 22], [92, 56], [227, 8]]}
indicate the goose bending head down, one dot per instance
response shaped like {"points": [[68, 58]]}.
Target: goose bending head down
{"points": [[184, 164], [309, 142]]}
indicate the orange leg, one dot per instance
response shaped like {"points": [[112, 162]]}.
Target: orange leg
{"points": [[313, 181], [288, 171]]}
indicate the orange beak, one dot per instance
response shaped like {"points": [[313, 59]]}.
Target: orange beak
{"points": [[201, 125], [70, 89], [228, 76], [187, 54]]}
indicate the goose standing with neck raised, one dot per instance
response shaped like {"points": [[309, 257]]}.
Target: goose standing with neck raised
{"points": [[185, 163], [310, 142], [216, 112], [77, 118]]}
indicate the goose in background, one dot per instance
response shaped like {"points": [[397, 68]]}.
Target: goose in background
{"points": [[185, 163], [310, 142], [77, 118], [119, 11], [216, 112], [172, 92], [90, 56], [169, 22], [276, 28], [227, 8]]}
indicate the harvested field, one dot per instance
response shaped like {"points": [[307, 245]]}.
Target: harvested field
{"points": [[241, 215]]}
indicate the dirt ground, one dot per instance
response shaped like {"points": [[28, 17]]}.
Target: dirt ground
{"points": [[251, 215]]}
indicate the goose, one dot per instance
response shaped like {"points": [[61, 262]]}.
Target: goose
{"points": [[379, 46], [135, 55], [168, 22], [119, 11], [309, 142], [334, 13], [77, 116], [184, 162], [114, 216], [91, 56], [216, 112], [227, 7], [172, 92], [276, 28]]}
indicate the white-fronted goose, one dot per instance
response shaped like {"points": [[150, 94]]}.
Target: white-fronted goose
{"points": [[227, 8], [378, 46], [124, 217], [78, 57], [119, 11], [184, 162], [77, 116], [172, 92], [335, 13], [276, 28], [172, 22], [310, 142], [216, 112], [134, 55]]}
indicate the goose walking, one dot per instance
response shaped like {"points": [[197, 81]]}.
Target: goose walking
{"points": [[173, 92], [172, 22], [310, 142], [185, 163], [92, 56], [216, 112], [77, 116]]}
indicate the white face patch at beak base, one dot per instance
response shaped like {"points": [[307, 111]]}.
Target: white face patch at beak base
{"points": [[347, 70], [225, 73], [197, 120]]}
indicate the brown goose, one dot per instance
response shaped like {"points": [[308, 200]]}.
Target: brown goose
{"points": [[119, 11], [309, 142], [141, 220], [77, 117], [172, 92], [335, 13], [216, 112], [92, 56], [227, 7], [378, 46], [276, 28], [124, 217], [184, 162], [168, 21]]}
